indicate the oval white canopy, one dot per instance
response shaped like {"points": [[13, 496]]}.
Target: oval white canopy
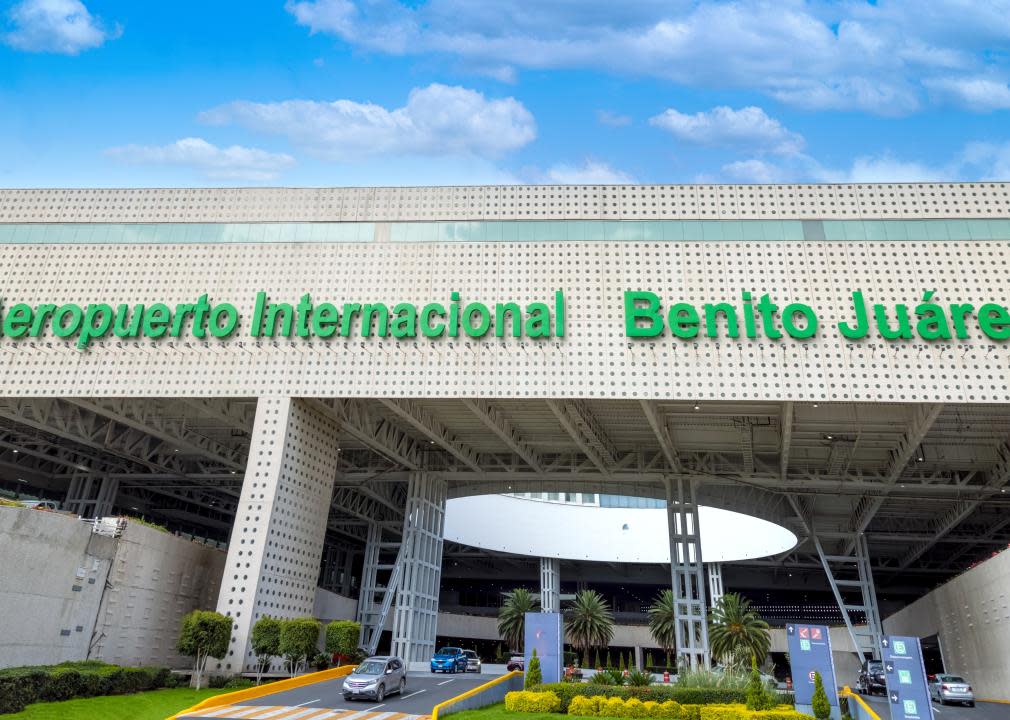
{"points": [[541, 528]]}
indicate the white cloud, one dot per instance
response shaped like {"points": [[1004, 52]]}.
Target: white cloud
{"points": [[842, 56], [866, 169], [437, 120], [220, 163], [56, 26], [981, 94], [591, 172], [725, 127], [605, 117]]}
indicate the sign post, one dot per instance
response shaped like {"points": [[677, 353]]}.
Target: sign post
{"points": [[907, 691], [810, 652], [544, 632]]}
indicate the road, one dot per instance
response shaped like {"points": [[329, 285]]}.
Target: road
{"points": [[981, 711], [324, 700]]}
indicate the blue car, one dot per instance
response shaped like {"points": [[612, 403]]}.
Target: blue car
{"points": [[449, 659]]}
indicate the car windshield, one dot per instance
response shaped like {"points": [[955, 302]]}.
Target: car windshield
{"points": [[371, 667], [952, 678], [470, 653], [447, 651]]}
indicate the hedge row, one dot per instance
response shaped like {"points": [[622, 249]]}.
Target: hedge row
{"points": [[655, 693], [598, 706], [48, 683]]}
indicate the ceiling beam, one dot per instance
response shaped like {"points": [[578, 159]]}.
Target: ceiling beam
{"points": [[923, 417], [661, 430], [785, 438], [383, 437], [962, 509], [497, 423], [437, 433], [584, 429]]}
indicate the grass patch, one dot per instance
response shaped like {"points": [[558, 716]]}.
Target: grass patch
{"points": [[152, 705], [497, 712]]}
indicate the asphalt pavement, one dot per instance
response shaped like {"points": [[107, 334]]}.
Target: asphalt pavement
{"points": [[981, 711], [325, 700]]}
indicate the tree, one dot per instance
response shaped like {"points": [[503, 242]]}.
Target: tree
{"points": [[649, 663], [512, 617], [735, 632], [585, 658], [589, 622], [299, 641], [758, 697], [820, 704], [342, 639], [265, 641], [598, 665], [662, 623], [610, 663], [533, 676], [204, 634]]}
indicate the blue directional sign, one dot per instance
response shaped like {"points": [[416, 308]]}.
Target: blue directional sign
{"points": [[810, 652], [544, 631], [906, 679]]}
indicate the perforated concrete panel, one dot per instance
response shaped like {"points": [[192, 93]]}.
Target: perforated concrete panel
{"points": [[277, 540], [524, 202], [594, 359]]}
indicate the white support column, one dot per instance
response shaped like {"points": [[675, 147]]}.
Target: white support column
{"points": [[280, 522], [106, 498], [550, 585], [416, 617], [687, 573], [715, 590], [369, 573]]}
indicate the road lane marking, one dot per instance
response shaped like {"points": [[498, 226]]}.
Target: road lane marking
{"points": [[307, 702], [416, 692], [446, 682]]}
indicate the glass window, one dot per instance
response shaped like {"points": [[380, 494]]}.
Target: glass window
{"points": [[673, 230], [978, 230], [895, 230]]}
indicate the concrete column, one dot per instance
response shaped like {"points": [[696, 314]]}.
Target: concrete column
{"points": [[715, 590], [639, 660], [346, 574], [280, 522], [106, 497], [550, 585], [416, 617], [687, 573]]}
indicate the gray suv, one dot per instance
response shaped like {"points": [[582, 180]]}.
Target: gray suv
{"points": [[375, 678]]}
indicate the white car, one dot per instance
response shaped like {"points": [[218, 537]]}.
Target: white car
{"points": [[951, 689], [472, 661]]}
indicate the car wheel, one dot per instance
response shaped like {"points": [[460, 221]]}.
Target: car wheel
{"points": [[380, 693], [971, 704], [347, 698], [433, 671], [403, 685]]}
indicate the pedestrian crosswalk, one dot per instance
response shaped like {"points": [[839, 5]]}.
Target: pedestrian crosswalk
{"points": [[283, 712]]}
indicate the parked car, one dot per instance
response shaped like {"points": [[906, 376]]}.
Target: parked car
{"points": [[871, 678], [375, 678], [946, 688], [516, 662], [472, 661], [449, 659]]}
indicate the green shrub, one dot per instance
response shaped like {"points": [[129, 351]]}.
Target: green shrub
{"points": [[51, 683], [820, 704], [585, 706], [533, 678], [342, 639], [659, 693], [758, 696], [528, 701], [723, 712], [637, 678]]}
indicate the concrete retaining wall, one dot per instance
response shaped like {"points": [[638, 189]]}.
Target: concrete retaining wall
{"points": [[156, 578], [52, 575], [488, 696], [971, 616]]}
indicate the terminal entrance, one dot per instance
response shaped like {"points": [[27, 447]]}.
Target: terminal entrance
{"points": [[880, 502]]}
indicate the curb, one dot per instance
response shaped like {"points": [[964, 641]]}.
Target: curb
{"points": [[470, 693], [264, 690], [847, 693]]}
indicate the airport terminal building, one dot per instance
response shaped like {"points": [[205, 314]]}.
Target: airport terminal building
{"points": [[313, 379]]}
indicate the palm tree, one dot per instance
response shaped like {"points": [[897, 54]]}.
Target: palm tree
{"points": [[589, 621], [662, 623], [735, 632], [512, 617]]}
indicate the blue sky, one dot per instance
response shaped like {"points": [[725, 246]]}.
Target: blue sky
{"points": [[366, 92]]}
